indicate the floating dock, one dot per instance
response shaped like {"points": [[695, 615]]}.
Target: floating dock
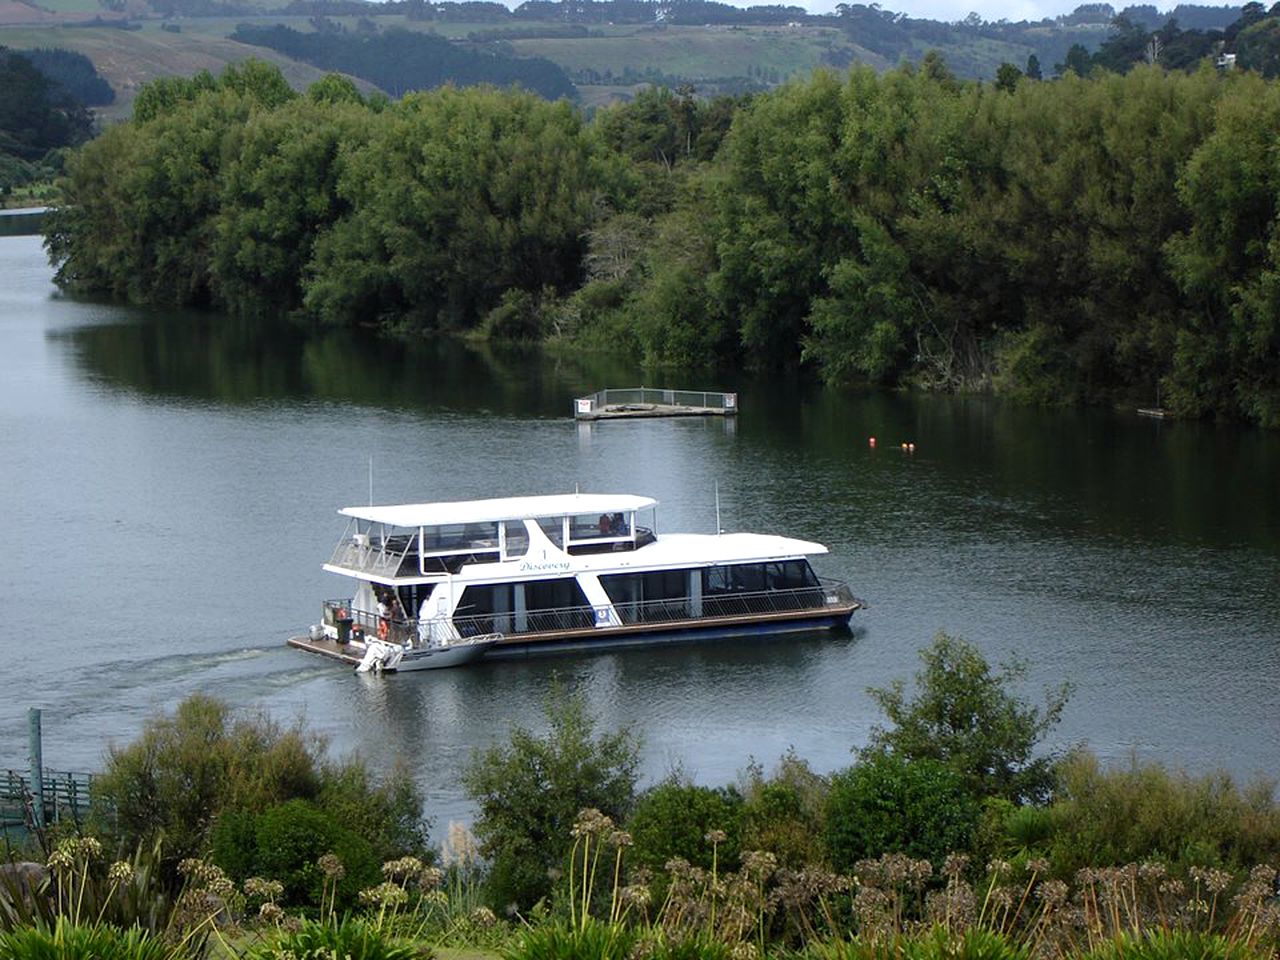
{"points": [[634, 402]]}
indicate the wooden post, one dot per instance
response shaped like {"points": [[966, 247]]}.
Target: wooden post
{"points": [[37, 767]]}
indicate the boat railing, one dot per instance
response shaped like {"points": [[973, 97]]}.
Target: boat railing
{"points": [[380, 556], [642, 396], [823, 595], [836, 593]]}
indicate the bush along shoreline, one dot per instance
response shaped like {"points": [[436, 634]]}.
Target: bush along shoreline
{"points": [[951, 835], [1106, 239]]}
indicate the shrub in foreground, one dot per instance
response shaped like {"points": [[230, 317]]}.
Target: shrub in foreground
{"points": [[69, 941], [530, 791], [675, 819], [347, 939], [285, 842], [1177, 945], [885, 804], [1146, 812], [189, 768]]}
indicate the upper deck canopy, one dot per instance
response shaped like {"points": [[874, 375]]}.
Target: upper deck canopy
{"points": [[506, 508]]}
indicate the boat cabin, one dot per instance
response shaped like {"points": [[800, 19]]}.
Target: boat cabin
{"points": [[410, 543]]}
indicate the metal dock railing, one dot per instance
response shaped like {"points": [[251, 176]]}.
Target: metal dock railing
{"points": [[623, 402]]}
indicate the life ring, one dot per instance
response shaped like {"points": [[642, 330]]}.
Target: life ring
{"points": [[383, 628]]}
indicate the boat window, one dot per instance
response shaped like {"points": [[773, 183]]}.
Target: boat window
{"points": [[485, 608], [715, 580], [757, 577], [459, 538], [641, 587], [599, 526], [553, 527], [515, 539], [747, 577], [486, 599], [553, 594]]}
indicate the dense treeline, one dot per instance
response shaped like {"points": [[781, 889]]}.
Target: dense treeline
{"points": [[38, 116], [1101, 239], [399, 60], [74, 73]]}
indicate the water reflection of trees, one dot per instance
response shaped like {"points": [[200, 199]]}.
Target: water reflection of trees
{"points": [[800, 459], [241, 360]]}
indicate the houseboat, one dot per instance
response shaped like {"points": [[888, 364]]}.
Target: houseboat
{"points": [[440, 584]]}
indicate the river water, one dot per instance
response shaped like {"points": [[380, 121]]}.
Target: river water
{"points": [[170, 481]]}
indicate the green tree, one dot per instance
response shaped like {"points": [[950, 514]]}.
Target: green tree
{"points": [[965, 716], [1033, 70], [189, 769], [887, 803], [1007, 77], [36, 115], [285, 841], [530, 790], [675, 818], [457, 197], [279, 192], [1077, 62]]}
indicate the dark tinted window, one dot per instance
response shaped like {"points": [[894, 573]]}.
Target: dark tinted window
{"points": [[553, 594]]}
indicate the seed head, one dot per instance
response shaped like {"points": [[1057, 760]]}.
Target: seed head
{"points": [[331, 867], [270, 912]]}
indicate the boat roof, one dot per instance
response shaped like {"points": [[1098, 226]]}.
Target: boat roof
{"points": [[695, 549], [505, 508]]}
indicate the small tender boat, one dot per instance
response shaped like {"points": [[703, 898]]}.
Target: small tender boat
{"points": [[381, 656], [442, 584]]}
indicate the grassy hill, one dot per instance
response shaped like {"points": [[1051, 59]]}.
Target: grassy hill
{"points": [[606, 62], [127, 59]]}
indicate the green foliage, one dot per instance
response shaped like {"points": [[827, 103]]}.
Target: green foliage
{"points": [[285, 841], [783, 813], [517, 317], [530, 791], [592, 940], [674, 818], [98, 941], [1104, 238], [398, 59], [36, 114], [1176, 945], [1007, 77], [936, 943], [1144, 812], [456, 198], [887, 804], [201, 764], [185, 768], [965, 716], [348, 938]]}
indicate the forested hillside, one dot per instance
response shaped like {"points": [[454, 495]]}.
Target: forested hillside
{"points": [[398, 60], [39, 114], [1101, 239]]}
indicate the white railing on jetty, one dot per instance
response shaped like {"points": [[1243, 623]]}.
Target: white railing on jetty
{"points": [[623, 398]]}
